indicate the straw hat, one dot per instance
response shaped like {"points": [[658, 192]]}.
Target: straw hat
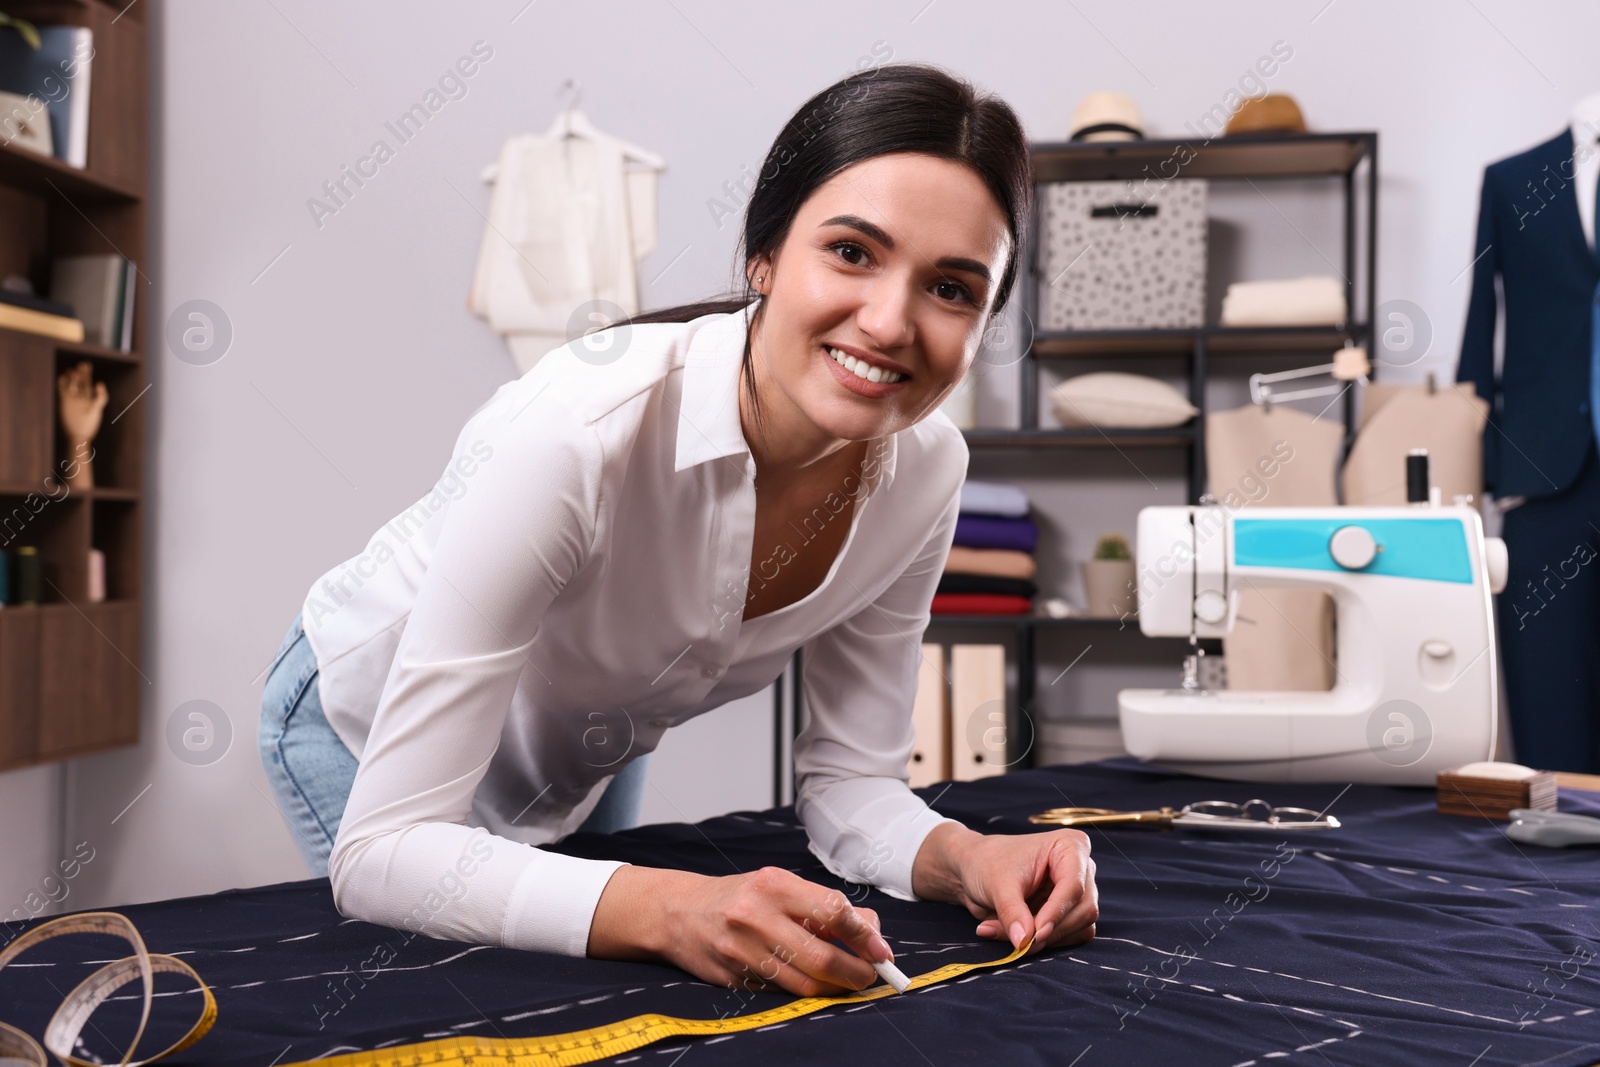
{"points": [[1107, 116], [1272, 113]]}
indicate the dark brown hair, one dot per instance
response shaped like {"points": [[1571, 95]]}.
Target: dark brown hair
{"points": [[896, 107]]}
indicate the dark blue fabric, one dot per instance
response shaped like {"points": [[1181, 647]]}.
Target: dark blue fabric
{"points": [[987, 531], [1530, 236], [1406, 938], [991, 585]]}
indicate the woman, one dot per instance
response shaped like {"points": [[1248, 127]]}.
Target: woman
{"points": [[644, 527]]}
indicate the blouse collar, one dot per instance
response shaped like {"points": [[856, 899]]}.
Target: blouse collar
{"points": [[708, 418]]}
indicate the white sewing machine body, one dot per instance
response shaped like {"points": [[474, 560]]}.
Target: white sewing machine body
{"points": [[1414, 689]]}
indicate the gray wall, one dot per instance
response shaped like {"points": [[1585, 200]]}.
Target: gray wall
{"points": [[354, 362]]}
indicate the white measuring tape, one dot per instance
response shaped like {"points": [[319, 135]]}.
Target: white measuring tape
{"points": [[61, 1034]]}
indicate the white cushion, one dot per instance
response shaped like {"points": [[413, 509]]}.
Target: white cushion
{"points": [[1121, 401]]}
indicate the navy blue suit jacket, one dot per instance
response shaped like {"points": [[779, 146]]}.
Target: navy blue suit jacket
{"points": [[1529, 235]]}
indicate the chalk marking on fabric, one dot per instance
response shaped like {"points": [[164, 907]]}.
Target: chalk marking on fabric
{"points": [[530, 1014], [1331, 985], [1425, 1004]]}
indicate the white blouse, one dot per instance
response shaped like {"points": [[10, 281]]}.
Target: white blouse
{"points": [[573, 586]]}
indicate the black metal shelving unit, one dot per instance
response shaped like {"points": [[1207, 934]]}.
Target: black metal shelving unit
{"points": [[1248, 159]]}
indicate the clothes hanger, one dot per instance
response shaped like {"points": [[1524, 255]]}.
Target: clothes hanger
{"points": [[571, 122]]}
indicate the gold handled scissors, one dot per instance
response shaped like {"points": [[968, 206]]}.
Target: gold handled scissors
{"points": [[1201, 815], [1160, 819]]}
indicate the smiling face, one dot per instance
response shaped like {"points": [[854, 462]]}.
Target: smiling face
{"points": [[892, 262]]}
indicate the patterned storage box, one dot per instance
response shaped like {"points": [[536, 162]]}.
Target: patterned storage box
{"points": [[1116, 255]]}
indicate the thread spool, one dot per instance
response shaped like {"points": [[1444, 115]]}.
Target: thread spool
{"points": [[1417, 476], [97, 576], [30, 576]]}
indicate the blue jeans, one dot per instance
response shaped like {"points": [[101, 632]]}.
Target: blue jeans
{"points": [[311, 770]]}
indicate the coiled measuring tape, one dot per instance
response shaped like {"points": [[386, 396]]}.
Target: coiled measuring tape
{"points": [[61, 1034], [614, 1039]]}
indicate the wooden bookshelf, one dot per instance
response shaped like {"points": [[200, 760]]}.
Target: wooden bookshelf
{"points": [[70, 679]]}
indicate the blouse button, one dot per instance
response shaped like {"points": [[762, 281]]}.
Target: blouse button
{"points": [[661, 724], [710, 671]]}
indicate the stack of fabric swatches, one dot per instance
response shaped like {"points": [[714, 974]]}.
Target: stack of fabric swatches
{"points": [[991, 567]]}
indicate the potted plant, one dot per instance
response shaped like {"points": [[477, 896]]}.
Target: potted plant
{"points": [[1108, 579]]}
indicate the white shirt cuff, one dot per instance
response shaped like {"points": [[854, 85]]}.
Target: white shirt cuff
{"points": [[553, 902]]}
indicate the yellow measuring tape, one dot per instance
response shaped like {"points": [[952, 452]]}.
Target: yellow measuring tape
{"points": [[557, 1050], [61, 1034], [614, 1039]]}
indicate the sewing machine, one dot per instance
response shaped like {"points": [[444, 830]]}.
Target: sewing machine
{"points": [[1414, 689]]}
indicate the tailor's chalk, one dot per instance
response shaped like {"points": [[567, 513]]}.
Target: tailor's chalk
{"points": [[893, 975]]}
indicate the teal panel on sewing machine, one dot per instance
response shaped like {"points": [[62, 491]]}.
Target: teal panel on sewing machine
{"points": [[1431, 549]]}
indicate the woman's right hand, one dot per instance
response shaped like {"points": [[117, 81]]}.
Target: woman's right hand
{"points": [[744, 931]]}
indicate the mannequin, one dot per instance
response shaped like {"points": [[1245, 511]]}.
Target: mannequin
{"points": [[1536, 227]]}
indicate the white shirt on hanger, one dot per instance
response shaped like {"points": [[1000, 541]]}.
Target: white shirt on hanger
{"points": [[573, 211], [575, 585], [1586, 160]]}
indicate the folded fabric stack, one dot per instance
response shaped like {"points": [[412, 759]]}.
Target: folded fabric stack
{"points": [[991, 567], [1313, 300]]}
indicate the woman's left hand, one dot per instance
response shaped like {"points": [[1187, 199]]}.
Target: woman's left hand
{"points": [[1039, 885]]}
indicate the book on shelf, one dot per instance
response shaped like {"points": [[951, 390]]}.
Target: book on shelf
{"points": [[57, 327], [100, 290], [125, 307], [35, 302], [56, 74]]}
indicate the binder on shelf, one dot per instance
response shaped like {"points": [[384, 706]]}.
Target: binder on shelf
{"points": [[977, 711], [930, 718]]}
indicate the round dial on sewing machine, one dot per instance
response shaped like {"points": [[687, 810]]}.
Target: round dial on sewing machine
{"points": [[1352, 547], [1210, 607]]}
